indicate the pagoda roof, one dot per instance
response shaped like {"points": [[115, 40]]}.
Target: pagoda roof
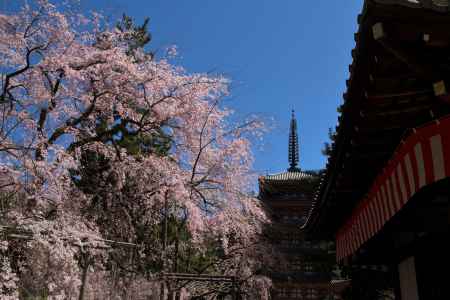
{"points": [[294, 184], [287, 177], [301, 277]]}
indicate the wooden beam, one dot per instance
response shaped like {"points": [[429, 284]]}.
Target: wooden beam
{"points": [[425, 71], [439, 88], [396, 106], [378, 31], [399, 120], [427, 32], [372, 142], [395, 111], [370, 155], [403, 14], [387, 100], [377, 96], [395, 84]]}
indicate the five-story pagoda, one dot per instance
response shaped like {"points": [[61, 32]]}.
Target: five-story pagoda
{"points": [[288, 197]]}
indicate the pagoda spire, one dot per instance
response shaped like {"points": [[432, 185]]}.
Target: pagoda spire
{"points": [[293, 145]]}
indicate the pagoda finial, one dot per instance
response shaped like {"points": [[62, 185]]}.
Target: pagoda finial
{"points": [[293, 145]]}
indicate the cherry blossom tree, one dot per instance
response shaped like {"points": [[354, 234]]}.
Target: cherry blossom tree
{"points": [[73, 96]]}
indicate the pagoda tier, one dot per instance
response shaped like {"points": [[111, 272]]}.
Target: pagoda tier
{"points": [[288, 196]]}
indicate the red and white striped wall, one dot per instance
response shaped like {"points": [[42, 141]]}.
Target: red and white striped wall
{"points": [[421, 159]]}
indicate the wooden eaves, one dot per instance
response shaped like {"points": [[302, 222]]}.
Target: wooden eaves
{"points": [[399, 79]]}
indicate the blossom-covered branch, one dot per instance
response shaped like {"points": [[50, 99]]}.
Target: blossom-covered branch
{"points": [[101, 141]]}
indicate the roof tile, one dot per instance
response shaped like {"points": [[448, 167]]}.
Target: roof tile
{"points": [[288, 176]]}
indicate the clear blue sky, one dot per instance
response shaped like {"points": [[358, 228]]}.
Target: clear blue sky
{"points": [[280, 54]]}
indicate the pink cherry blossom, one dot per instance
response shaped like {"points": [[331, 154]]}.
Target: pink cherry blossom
{"points": [[61, 73]]}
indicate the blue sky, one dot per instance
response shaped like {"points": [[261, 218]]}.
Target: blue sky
{"points": [[280, 55]]}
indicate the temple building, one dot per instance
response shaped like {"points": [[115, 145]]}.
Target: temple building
{"points": [[384, 195], [288, 197]]}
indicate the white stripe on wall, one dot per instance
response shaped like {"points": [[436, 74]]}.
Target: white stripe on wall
{"points": [[420, 164], [353, 237], [370, 214], [373, 217], [361, 232], [401, 182], [367, 222], [438, 157], [357, 232], [364, 224], [347, 241], [379, 211], [409, 173], [373, 214], [381, 207], [382, 201], [393, 181], [390, 202]]}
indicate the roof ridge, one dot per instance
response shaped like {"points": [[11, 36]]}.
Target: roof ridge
{"points": [[437, 5], [289, 176]]}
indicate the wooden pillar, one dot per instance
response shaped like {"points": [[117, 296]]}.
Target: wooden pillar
{"points": [[85, 262], [235, 289], [173, 295], [184, 295], [163, 293], [156, 292], [408, 279]]}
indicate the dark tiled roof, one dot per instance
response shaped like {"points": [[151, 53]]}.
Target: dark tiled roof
{"points": [[296, 276], [288, 176], [438, 5]]}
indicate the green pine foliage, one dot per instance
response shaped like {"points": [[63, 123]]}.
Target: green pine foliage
{"points": [[328, 146], [137, 36]]}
